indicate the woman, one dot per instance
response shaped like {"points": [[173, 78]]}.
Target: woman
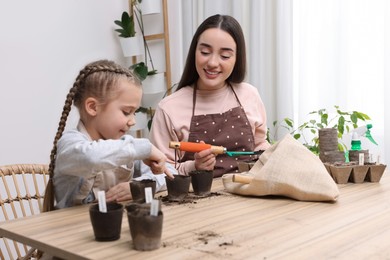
{"points": [[212, 103]]}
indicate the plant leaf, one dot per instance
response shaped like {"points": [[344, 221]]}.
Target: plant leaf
{"points": [[127, 25], [340, 126], [354, 117], [142, 110], [324, 119], [140, 70], [152, 72]]}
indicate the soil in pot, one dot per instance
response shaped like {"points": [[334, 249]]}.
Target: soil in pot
{"points": [[137, 189], [106, 226], [178, 187], [201, 182], [145, 229]]}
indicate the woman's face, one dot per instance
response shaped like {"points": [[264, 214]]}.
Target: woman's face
{"points": [[215, 58]]}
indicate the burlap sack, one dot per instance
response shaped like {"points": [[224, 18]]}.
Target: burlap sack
{"points": [[289, 169]]}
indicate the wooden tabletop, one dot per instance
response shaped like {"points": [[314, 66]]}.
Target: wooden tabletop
{"points": [[227, 226]]}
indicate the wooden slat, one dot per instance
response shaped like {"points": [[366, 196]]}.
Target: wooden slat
{"points": [[167, 49], [151, 37]]}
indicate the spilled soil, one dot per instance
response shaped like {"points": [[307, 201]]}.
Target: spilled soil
{"points": [[191, 198]]}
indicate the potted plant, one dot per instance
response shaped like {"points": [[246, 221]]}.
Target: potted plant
{"points": [[131, 44], [342, 121], [153, 82]]}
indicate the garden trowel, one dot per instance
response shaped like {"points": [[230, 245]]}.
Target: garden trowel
{"points": [[197, 147]]}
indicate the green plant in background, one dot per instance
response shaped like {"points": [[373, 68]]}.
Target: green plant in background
{"points": [[343, 121], [126, 24], [127, 29], [141, 70]]}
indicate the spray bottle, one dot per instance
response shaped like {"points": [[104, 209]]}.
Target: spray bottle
{"points": [[361, 131], [356, 143]]}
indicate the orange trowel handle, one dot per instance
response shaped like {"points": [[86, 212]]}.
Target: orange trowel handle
{"points": [[196, 147]]}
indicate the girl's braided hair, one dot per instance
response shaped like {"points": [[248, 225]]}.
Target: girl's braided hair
{"points": [[97, 79]]}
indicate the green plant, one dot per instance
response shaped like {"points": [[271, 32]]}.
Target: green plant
{"points": [[126, 24], [343, 121], [141, 70]]}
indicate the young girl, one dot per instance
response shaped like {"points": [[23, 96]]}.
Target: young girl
{"points": [[99, 155]]}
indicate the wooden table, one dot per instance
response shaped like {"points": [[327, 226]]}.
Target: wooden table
{"points": [[228, 226]]}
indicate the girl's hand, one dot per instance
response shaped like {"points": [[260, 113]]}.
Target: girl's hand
{"points": [[205, 160], [157, 162], [118, 193]]}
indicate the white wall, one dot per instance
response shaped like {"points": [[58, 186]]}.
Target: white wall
{"points": [[43, 46]]}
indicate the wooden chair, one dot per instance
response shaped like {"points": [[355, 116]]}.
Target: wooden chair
{"points": [[22, 188]]}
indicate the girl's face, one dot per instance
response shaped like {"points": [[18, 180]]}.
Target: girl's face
{"points": [[215, 58], [115, 118]]}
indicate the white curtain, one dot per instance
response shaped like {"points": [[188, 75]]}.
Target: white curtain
{"points": [[304, 55], [338, 48]]}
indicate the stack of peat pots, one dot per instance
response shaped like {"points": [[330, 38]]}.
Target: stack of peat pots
{"points": [[328, 146]]}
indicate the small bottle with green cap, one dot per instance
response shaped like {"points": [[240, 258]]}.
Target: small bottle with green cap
{"points": [[361, 131]]}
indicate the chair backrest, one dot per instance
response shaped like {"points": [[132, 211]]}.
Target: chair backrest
{"points": [[22, 187]]}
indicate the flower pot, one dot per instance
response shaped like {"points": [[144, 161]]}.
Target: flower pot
{"points": [[375, 172], [341, 174], [106, 226], [150, 7], [154, 84], [145, 229], [132, 46], [354, 156], [201, 182], [137, 189], [178, 187], [332, 157], [359, 173], [328, 140]]}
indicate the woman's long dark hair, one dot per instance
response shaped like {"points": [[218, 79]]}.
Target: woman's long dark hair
{"points": [[231, 26]]}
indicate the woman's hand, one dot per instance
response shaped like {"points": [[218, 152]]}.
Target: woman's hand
{"points": [[205, 160], [118, 193]]}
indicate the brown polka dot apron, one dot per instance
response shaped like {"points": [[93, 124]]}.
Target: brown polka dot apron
{"points": [[230, 129]]}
